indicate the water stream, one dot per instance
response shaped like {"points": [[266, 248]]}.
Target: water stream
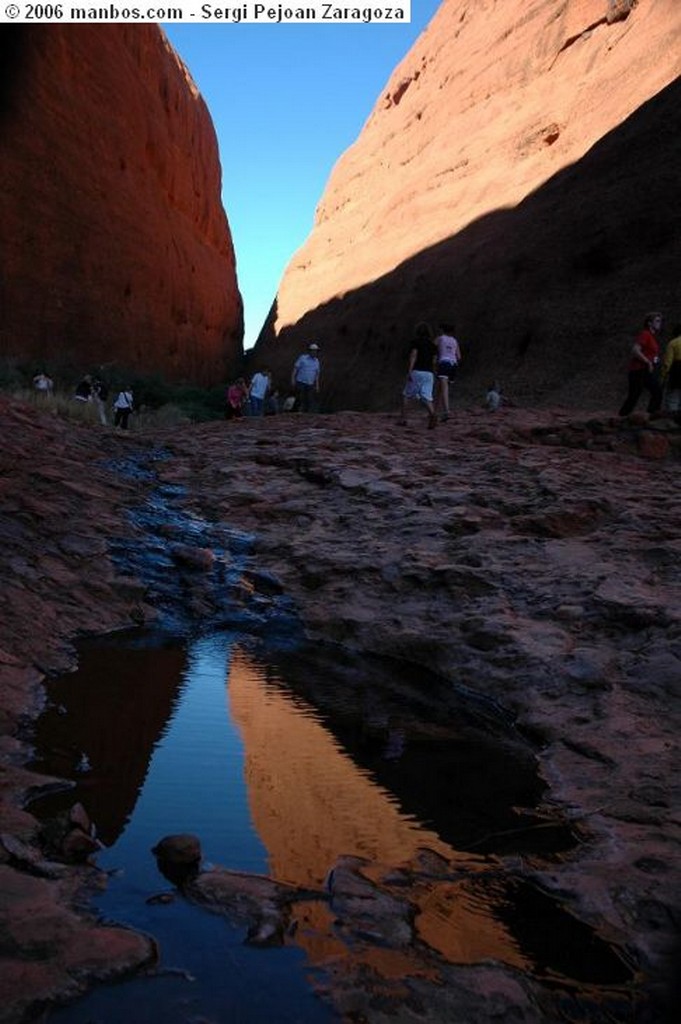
{"points": [[218, 736], [282, 757]]}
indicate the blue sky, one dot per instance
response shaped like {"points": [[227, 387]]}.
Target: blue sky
{"points": [[286, 101]]}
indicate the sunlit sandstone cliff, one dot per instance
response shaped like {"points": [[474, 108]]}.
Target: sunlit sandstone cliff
{"points": [[517, 175], [116, 248]]}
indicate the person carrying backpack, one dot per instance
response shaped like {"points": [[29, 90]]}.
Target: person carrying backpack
{"points": [[123, 406]]}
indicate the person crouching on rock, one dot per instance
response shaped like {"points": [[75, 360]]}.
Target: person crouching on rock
{"points": [[420, 373], [643, 367]]}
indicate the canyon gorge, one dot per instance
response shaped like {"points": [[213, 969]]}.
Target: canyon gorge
{"points": [[517, 176]]}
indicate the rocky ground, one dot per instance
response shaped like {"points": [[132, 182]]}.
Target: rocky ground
{"points": [[530, 555]]}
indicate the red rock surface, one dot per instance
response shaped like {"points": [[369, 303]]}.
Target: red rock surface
{"points": [[116, 247], [518, 175], [531, 556]]}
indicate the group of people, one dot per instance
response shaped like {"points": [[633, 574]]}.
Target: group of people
{"points": [[257, 398], [432, 365], [94, 390], [652, 371], [434, 359], [261, 398]]}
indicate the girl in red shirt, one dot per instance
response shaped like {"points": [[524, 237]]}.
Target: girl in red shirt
{"points": [[643, 367]]}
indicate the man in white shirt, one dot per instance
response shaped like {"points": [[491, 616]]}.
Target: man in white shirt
{"points": [[305, 379], [257, 391]]}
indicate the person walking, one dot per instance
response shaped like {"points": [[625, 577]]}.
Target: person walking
{"points": [[260, 383], [100, 393], [420, 373], [123, 406], [43, 384], [305, 379], [235, 399], [671, 374], [643, 367], [448, 359], [83, 392]]}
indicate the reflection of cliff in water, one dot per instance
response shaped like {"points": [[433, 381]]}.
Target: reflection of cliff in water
{"points": [[311, 803], [320, 787], [453, 763], [104, 723]]}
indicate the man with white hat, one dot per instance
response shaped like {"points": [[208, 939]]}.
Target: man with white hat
{"points": [[305, 379]]}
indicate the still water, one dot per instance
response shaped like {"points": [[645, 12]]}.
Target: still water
{"points": [[280, 762]]}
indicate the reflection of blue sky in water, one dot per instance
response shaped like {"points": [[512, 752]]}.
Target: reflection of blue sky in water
{"points": [[241, 751], [195, 784], [195, 781]]}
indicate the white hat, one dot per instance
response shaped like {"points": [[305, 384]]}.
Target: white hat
{"points": [[314, 345]]}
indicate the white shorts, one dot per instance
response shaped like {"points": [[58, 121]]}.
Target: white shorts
{"points": [[419, 385]]}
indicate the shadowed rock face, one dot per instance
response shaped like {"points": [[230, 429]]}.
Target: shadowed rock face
{"points": [[517, 177], [116, 247]]}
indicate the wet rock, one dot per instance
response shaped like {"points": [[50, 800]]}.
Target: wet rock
{"points": [[28, 858], [79, 816], [194, 558], [365, 910], [182, 848], [263, 582], [77, 846], [253, 900]]}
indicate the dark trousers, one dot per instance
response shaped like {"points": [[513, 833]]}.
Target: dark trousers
{"points": [[306, 397], [121, 417], [640, 381]]}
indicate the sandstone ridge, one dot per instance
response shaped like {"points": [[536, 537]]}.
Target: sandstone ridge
{"points": [[116, 246], [517, 176]]}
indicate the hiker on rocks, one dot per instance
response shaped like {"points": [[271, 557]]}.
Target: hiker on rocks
{"points": [[420, 373], [260, 383], [83, 391], [671, 374], [123, 406], [100, 393], [237, 396], [643, 367], [448, 359], [43, 384], [305, 379]]}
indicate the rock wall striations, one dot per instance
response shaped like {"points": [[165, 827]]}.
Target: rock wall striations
{"points": [[519, 176], [116, 248]]}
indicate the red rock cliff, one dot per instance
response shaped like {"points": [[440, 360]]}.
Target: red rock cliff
{"points": [[116, 247], [519, 175]]}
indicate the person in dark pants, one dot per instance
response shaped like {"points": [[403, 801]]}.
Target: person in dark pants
{"points": [[123, 406], [671, 374], [305, 379], [643, 367]]}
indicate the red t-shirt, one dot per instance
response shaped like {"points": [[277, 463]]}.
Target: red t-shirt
{"points": [[647, 342]]}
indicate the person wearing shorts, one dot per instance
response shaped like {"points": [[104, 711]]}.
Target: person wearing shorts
{"points": [[420, 375], [448, 359]]}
